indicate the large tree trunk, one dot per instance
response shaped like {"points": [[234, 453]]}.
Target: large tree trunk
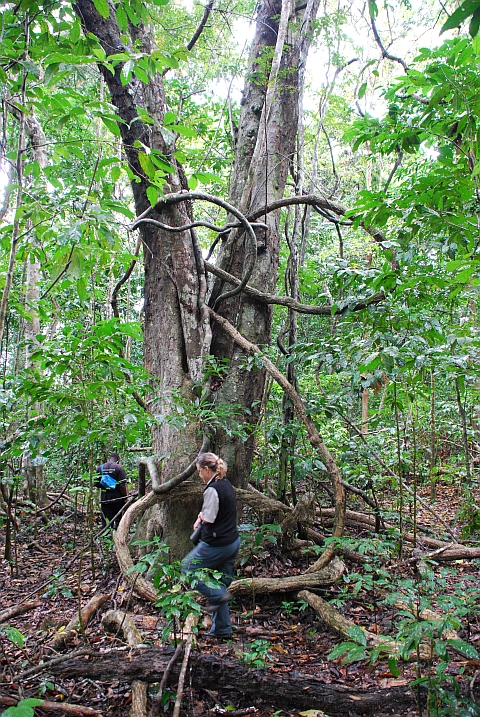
{"points": [[176, 334], [177, 330]]}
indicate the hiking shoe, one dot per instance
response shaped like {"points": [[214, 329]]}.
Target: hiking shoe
{"points": [[213, 607], [214, 637]]}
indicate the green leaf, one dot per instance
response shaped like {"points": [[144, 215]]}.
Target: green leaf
{"points": [[141, 74], [102, 8], [340, 650], [12, 634], [82, 289], [469, 7], [126, 72], [193, 182], [362, 90], [111, 125], [184, 131], [25, 708], [465, 648], [122, 18], [120, 208], [392, 666], [474, 23], [207, 177], [152, 195], [132, 329], [357, 634], [170, 117], [146, 164]]}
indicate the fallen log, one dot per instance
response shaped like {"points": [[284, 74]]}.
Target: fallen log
{"points": [[64, 707], [344, 626], [63, 636], [20, 609], [291, 689]]}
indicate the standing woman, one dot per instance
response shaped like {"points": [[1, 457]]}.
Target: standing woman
{"points": [[219, 541]]}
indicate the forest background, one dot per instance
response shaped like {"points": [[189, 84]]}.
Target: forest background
{"points": [[325, 343]]}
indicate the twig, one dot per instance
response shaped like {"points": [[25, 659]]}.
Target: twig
{"points": [[190, 622], [157, 700], [385, 54]]}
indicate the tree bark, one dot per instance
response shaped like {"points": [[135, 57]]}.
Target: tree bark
{"points": [[176, 329], [292, 689], [265, 148]]}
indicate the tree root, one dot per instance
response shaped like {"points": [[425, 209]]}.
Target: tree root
{"points": [[254, 586], [255, 500]]}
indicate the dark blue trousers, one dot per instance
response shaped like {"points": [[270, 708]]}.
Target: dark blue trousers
{"points": [[221, 558]]}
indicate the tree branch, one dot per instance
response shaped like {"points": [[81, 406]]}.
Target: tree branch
{"points": [[201, 26], [288, 301], [385, 54]]}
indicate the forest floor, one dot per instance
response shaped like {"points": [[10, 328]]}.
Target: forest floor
{"points": [[286, 636]]}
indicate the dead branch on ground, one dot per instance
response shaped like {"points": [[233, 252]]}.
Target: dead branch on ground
{"points": [[20, 609], [79, 621], [64, 707], [344, 626]]}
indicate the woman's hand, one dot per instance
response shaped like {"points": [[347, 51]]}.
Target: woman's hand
{"points": [[198, 521]]}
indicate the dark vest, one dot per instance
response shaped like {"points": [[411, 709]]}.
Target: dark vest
{"points": [[224, 530]]}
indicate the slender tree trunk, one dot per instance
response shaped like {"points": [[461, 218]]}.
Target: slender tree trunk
{"points": [[260, 174]]}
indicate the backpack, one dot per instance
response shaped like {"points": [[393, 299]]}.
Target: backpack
{"points": [[107, 482]]}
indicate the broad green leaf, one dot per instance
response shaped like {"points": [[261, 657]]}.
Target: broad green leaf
{"points": [[102, 7], [126, 72], [111, 125], [362, 90], [184, 131], [170, 117], [122, 18], [467, 8], [357, 634], [193, 182], [132, 329], [465, 648], [12, 634], [141, 74], [152, 195], [392, 666], [146, 164], [207, 177], [82, 289]]}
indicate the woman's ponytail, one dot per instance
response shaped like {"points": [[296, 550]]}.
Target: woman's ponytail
{"points": [[212, 461]]}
